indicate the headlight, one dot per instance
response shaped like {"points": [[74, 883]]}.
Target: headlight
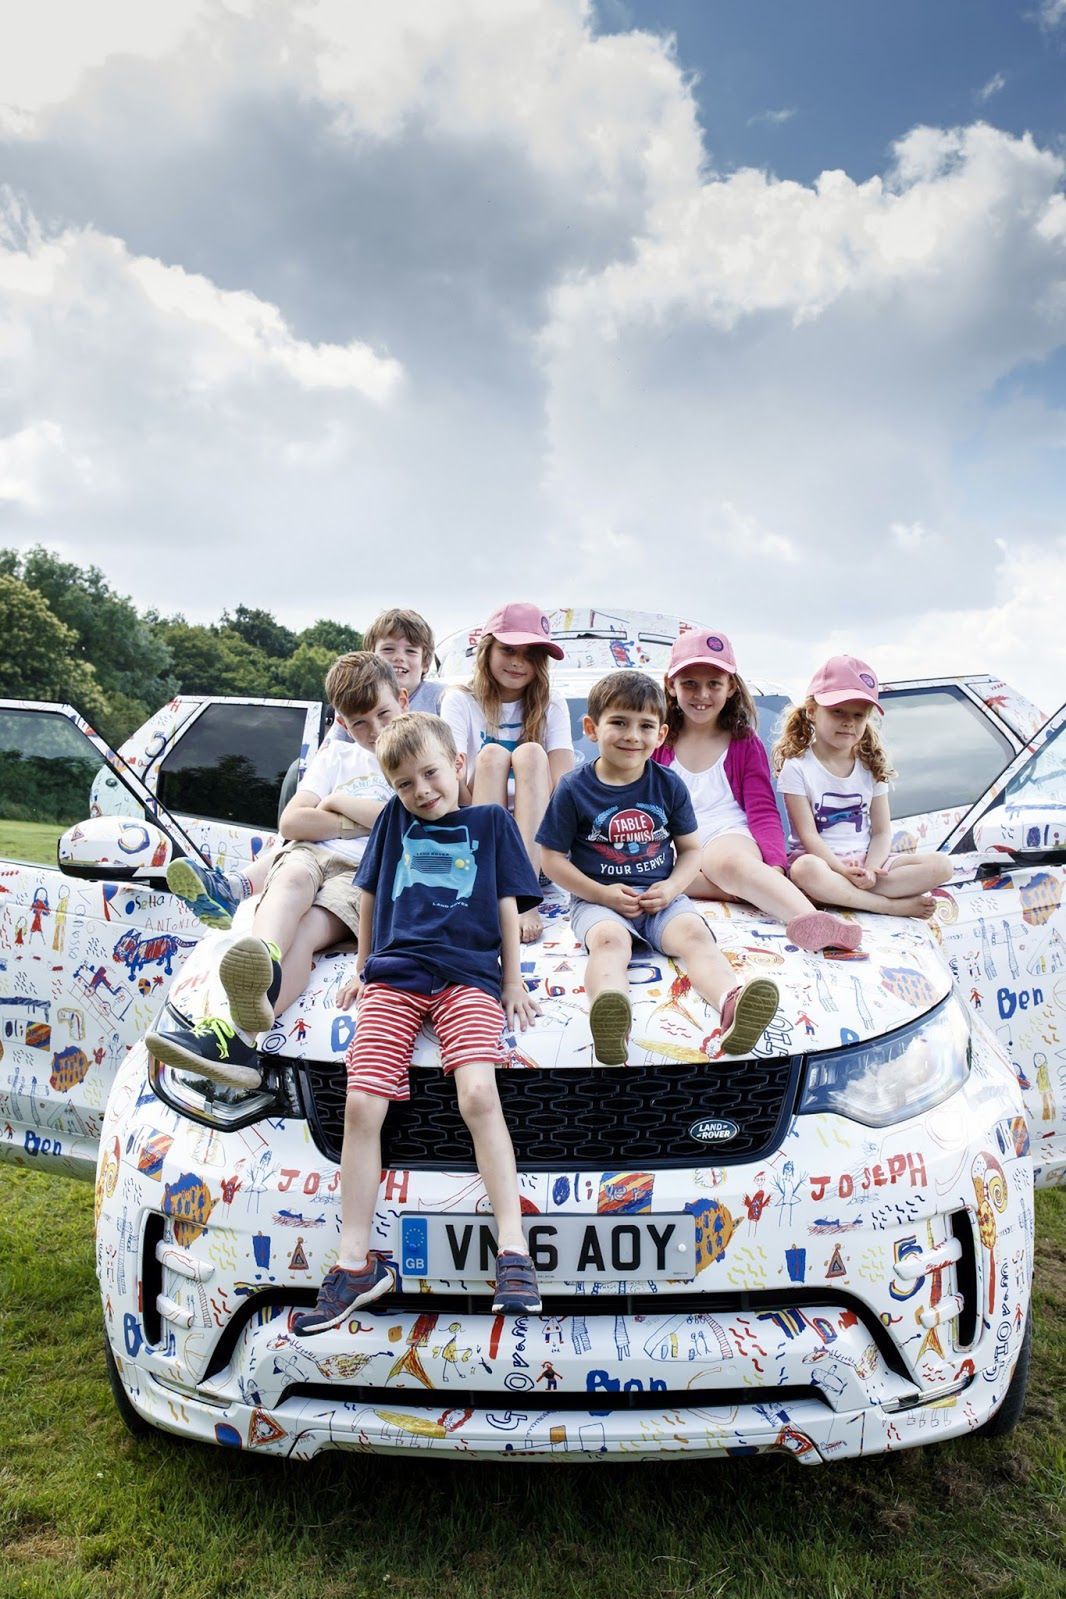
{"points": [[896, 1077], [216, 1104]]}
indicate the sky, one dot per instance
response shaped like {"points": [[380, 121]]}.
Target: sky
{"points": [[752, 311]]}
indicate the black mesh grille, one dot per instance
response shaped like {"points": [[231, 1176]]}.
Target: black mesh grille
{"points": [[592, 1119]]}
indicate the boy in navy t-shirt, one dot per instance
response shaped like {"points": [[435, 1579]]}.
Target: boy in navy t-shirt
{"points": [[438, 939], [620, 834]]}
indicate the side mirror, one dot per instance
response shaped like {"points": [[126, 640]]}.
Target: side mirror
{"points": [[1022, 830], [114, 847]]}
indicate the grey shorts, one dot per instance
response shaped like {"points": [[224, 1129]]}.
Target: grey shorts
{"points": [[332, 878], [647, 929]]}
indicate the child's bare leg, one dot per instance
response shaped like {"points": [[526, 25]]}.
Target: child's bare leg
{"points": [[915, 874], [689, 939], [491, 771], [609, 947], [480, 1108], [360, 1174], [282, 908], [737, 864], [826, 887], [317, 930], [532, 791], [257, 870]]}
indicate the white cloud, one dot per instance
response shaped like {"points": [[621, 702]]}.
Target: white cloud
{"points": [[995, 83], [1052, 12], [775, 119], [625, 379]]}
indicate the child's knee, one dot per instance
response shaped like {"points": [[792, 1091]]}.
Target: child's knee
{"points": [[529, 760], [494, 761], [804, 872], [476, 1093], [361, 1111], [608, 938]]}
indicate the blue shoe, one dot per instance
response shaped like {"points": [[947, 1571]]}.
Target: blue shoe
{"points": [[517, 1290], [205, 890], [213, 1048], [344, 1291]]}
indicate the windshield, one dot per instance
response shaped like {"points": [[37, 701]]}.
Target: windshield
{"points": [[1042, 781]]}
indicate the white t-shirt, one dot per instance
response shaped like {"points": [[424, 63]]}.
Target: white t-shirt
{"points": [[713, 800], [466, 719], [841, 805], [346, 769]]}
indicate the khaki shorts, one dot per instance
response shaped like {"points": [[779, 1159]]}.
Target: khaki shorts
{"points": [[332, 878]]}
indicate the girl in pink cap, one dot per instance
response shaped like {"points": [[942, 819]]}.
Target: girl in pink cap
{"points": [[513, 731], [712, 746], [833, 773]]}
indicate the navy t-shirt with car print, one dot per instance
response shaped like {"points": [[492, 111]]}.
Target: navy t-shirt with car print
{"points": [[436, 888], [619, 833]]}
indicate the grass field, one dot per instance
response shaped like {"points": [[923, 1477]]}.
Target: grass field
{"points": [[29, 841], [86, 1512]]}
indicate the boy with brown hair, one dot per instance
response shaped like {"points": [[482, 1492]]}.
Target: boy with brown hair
{"points": [[310, 899], [438, 941], [620, 834], [405, 640]]}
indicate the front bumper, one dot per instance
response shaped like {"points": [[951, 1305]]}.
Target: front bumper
{"points": [[857, 1292]]}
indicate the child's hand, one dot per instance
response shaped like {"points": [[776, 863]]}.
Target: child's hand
{"points": [[350, 992], [519, 1005], [623, 899], [861, 876], [657, 897]]}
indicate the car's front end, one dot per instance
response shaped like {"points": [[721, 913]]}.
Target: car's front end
{"points": [[824, 1247]]}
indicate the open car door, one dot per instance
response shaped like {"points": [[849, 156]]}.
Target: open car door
{"points": [[89, 934], [1005, 929]]}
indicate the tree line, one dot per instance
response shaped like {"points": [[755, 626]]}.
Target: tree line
{"points": [[66, 634]]}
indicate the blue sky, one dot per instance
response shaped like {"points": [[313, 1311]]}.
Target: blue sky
{"points": [[855, 74], [754, 312]]}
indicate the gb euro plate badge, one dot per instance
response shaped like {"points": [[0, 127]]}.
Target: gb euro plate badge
{"points": [[565, 1248]]}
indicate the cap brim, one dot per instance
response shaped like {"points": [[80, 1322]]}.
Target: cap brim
{"points": [[703, 660], [555, 650], [841, 697]]}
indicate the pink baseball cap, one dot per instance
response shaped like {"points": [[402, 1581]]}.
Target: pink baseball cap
{"points": [[700, 648], [519, 623], [842, 678]]}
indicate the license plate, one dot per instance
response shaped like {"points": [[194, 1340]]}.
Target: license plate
{"points": [[564, 1248]]}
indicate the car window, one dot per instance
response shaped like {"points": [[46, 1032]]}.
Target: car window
{"points": [[47, 769], [944, 747], [231, 762]]}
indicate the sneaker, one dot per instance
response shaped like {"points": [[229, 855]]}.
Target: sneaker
{"points": [[344, 1291], [213, 1048], [207, 891], [745, 1014], [610, 1018], [251, 975], [516, 1285]]}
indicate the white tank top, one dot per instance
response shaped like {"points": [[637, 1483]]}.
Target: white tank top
{"points": [[712, 799]]}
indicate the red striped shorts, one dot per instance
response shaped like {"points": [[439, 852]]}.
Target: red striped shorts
{"points": [[468, 1022]]}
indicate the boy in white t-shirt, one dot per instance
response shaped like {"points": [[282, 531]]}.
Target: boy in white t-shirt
{"points": [[310, 899]]}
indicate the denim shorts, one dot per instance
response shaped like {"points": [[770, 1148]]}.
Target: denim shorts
{"points": [[648, 929]]}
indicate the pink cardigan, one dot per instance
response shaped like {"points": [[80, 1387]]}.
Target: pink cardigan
{"points": [[748, 772]]}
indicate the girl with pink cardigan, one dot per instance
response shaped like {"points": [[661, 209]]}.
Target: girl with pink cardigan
{"points": [[712, 745]]}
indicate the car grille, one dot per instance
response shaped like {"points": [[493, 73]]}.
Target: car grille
{"points": [[589, 1119]]}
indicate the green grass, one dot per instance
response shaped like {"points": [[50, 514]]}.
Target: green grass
{"points": [[29, 841], [86, 1512]]}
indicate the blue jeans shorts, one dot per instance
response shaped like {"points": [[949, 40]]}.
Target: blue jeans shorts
{"points": [[647, 929]]}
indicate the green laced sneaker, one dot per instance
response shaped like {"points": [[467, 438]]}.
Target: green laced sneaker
{"points": [[213, 1047]]}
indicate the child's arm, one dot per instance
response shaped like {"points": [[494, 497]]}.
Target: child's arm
{"points": [[518, 1003], [880, 834], [559, 763], [358, 809], [619, 896], [756, 800], [303, 819], [801, 820], [353, 988], [686, 865]]}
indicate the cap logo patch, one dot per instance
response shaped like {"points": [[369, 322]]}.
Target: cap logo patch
{"points": [[715, 644], [871, 682], [544, 626]]}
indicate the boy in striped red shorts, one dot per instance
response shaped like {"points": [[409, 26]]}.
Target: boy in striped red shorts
{"points": [[442, 889]]}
